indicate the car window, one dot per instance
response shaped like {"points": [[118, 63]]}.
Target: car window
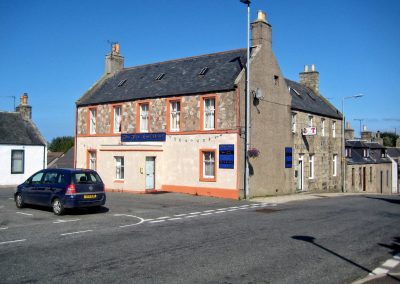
{"points": [[36, 179], [86, 177], [50, 177], [62, 179]]}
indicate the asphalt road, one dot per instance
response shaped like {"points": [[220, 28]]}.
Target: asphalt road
{"points": [[173, 238]]}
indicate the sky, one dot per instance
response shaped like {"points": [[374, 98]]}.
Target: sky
{"points": [[54, 50]]}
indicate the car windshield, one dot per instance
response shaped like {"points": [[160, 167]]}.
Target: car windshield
{"points": [[86, 177]]}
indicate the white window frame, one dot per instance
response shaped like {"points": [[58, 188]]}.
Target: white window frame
{"points": [[323, 127], [333, 129], [310, 121], [175, 113], [92, 120], [144, 117], [117, 123], [208, 161], [312, 166], [294, 122], [17, 161], [334, 164], [92, 160], [119, 167], [209, 113]]}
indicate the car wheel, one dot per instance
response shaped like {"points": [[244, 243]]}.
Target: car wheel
{"points": [[19, 202], [58, 207]]}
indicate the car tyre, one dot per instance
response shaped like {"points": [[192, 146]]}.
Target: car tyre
{"points": [[19, 201], [58, 207]]}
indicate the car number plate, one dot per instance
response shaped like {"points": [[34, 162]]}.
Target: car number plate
{"points": [[89, 196]]}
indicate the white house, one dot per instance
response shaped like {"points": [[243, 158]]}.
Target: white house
{"points": [[23, 150]]}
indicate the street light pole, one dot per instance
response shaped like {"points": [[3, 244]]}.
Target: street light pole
{"points": [[343, 140], [360, 120], [246, 155]]}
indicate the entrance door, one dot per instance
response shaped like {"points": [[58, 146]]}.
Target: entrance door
{"points": [[381, 181], [150, 170], [300, 174], [364, 180]]}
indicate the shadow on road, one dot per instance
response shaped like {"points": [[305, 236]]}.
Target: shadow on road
{"points": [[394, 246], [390, 200]]}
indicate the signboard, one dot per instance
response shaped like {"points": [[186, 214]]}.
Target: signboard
{"points": [[288, 157], [143, 137], [226, 156], [309, 131]]}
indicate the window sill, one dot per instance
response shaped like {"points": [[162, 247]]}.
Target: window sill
{"points": [[210, 179], [118, 181]]}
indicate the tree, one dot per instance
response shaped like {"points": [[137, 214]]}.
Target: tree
{"points": [[61, 144], [389, 139]]}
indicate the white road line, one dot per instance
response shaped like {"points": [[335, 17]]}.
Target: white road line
{"points": [[208, 211], [11, 198], [28, 214], [180, 215], [247, 205], [126, 215], [78, 232], [379, 270], [3, 228], [234, 207], [165, 217], [222, 208], [194, 213], [230, 210], [65, 221], [192, 216], [172, 219], [10, 242], [157, 221], [390, 263], [220, 212], [243, 208], [205, 214]]}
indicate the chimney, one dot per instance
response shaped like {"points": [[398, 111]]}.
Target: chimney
{"points": [[114, 61], [310, 78], [365, 134], [24, 108], [348, 132], [261, 31]]}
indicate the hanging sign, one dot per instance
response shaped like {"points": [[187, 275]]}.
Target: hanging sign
{"points": [[226, 156], [288, 157]]}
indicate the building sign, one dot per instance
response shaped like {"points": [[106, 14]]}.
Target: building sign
{"points": [[226, 156], [143, 137], [288, 157], [309, 131]]}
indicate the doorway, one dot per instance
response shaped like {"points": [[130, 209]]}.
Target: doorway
{"points": [[300, 174], [364, 186], [150, 172]]}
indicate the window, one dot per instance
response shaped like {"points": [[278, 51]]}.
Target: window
{"points": [[333, 129], [92, 120], [50, 178], [17, 161], [92, 160], [360, 176], [119, 167], [387, 177], [207, 165], [294, 122], [117, 119], [348, 152], [209, 113], [310, 121], [383, 153], [175, 112], [322, 127], [144, 117], [370, 174], [352, 176], [366, 153], [311, 166], [276, 80], [37, 179], [334, 165]]}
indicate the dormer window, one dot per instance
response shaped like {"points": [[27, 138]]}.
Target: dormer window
{"points": [[348, 152], [383, 153], [365, 153]]}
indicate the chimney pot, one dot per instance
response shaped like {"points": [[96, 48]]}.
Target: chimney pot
{"points": [[348, 125], [261, 16], [24, 108], [364, 128], [312, 67], [305, 68]]}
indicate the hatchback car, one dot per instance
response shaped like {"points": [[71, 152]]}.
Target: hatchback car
{"points": [[61, 189]]}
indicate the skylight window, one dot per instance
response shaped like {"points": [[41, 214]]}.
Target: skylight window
{"points": [[160, 76], [203, 71], [121, 83], [296, 92]]}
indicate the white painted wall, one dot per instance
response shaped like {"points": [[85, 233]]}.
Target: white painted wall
{"points": [[35, 160], [394, 176]]}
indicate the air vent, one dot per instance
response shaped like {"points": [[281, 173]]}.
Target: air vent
{"points": [[160, 76], [203, 71], [121, 83]]}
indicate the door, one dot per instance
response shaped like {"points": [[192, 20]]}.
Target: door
{"points": [[150, 172], [381, 181], [364, 180], [300, 174]]}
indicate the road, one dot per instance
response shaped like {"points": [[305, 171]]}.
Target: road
{"points": [[174, 238]]}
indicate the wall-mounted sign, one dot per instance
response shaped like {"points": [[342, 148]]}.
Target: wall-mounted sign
{"points": [[143, 137], [288, 157], [309, 131], [226, 156]]}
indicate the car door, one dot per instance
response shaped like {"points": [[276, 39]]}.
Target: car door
{"points": [[28, 193], [45, 192]]}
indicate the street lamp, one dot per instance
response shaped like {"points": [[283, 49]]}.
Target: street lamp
{"points": [[343, 140], [246, 157]]}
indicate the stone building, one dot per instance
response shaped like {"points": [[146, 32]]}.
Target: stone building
{"points": [[179, 125]]}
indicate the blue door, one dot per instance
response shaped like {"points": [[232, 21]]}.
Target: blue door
{"points": [[150, 172]]}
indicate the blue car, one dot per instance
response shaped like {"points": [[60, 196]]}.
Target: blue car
{"points": [[62, 189]]}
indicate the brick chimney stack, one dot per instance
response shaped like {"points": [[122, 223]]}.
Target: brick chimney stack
{"points": [[348, 132], [365, 134], [114, 60], [261, 31], [310, 78], [24, 108]]}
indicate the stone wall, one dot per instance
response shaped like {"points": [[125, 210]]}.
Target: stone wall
{"points": [[367, 178], [82, 120], [190, 109]]}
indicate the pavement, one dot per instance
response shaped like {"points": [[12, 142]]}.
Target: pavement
{"points": [[387, 273]]}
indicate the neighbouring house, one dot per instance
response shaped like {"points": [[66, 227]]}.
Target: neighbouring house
{"points": [[61, 160], [394, 155], [180, 125], [23, 150]]}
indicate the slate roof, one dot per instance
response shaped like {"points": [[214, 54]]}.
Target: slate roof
{"points": [[304, 99], [181, 77], [393, 152], [14, 130], [357, 153]]}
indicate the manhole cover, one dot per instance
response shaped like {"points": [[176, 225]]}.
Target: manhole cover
{"points": [[267, 210]]}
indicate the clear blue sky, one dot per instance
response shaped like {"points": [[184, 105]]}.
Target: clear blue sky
{"points": [[54, 50]]}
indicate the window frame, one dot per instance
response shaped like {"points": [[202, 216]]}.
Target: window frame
{"points": [[294, 122], [203, 112], [169, 114], [202, 176], [311, 164], [22, 171], [334, 165], [334, 129], [92, 130], [89, 159], [121, 167], [323, 127], [310, 120], [113, 117], [139, 117]]}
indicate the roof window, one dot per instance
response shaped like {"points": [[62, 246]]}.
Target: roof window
{"points": [[121, 83], [203, 71], [296, 92], [160, 76]]}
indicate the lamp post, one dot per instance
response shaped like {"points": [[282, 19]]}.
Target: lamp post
{"points": [[246, 156], [343, 140]]}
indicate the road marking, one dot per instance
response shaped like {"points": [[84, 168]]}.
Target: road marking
{"points": [[10, 242], [222, 208], [11, 198], [390, 263], [157, 221], [247, 205], [172, 219], [78, 232], [27, 214], [208, 211], [180, 215], [194, 213], [379, 270], [65, 221], [126, 215], [234, 207], [386, 266], [165, 217], [3, 228], [192, 216], [220, 212], [230, 210], [141, 220], [205, 214]]}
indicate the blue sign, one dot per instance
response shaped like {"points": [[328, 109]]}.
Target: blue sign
{"points": [[226, 156], [288, 157], [143, 137]]}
